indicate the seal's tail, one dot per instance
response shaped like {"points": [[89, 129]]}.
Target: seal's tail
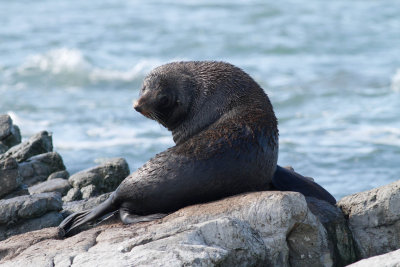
{"points": [[288, 180], [77, 219]]}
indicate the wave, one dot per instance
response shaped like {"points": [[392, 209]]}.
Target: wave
{"points": [[28, 127], [395, 84], [69, 67]]}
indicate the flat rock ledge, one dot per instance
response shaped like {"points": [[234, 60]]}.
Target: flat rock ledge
{"points": [[255, 229], [391, 259], [374, 219]]}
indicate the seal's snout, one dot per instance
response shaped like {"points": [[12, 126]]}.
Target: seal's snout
{"points": [[137, 106]]}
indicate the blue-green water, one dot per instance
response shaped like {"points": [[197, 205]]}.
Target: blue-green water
{"points": [[331, 69]]}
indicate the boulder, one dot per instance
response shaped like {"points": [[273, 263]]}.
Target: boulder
{"points": [[20, 191], [81, 205], [60, 174], [391, 259], [20, 208], [55, 185], [38, 168], [73, 194], [38, 144], [5, 126], [9, 134], [50, 219], [255, 229], [340, 238], [9, 176], [98, 180], [374, 219], [3, 148]]}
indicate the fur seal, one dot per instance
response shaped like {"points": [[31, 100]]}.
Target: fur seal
{"points": [[226, 138]]}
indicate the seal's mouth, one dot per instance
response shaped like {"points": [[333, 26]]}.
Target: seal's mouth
{"points": [[139, 108]]}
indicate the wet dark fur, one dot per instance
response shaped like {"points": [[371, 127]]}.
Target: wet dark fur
{"points": [[226, 139]]}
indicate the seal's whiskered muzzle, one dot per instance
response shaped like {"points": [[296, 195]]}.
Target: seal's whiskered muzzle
{"points": [[137, 106]]}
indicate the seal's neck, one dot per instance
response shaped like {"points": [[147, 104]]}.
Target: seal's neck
{"points": [[194, 125], [201, 115]]}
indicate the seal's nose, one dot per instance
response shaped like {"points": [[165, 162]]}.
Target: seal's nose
{"points": [[137, 107]]}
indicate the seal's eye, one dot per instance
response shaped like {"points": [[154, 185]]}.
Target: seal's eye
{"points": [[163, 101]]}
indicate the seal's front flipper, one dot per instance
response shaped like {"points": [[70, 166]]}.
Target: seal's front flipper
{"points": [[288, 180], [128, 218]]}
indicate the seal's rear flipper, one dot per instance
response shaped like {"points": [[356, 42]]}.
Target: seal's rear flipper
{"points": [[287, 180], [77, 219], [128, 218]]}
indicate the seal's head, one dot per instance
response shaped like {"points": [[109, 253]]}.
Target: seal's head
{"points": [[188, 97], [163, 98]]}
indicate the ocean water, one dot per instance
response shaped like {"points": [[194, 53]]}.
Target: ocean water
{"points": [[331, 69]]}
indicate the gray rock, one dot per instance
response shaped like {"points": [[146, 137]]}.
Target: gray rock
{"points": [[5, 126], [14, 138], [84, 178], [38, 144], [3, 148], [38, 168], [50, 219], [374, 219], [17, 209], [20, 191], [89, 191], [81, 205], [59, 174], [222, 242], [73, 194], [257, 229], [9, 133], [55, 185], [102, 179], [340, 238], [391, 259], [9, 176]]}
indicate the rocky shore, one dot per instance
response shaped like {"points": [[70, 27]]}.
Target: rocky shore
{"points": [[253, 229]]}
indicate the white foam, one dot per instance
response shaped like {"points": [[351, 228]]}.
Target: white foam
{"points": [[395, 84], [56, 61], [367, 134], [28, 127], [72, 62], [142, 67], [143, 143]]}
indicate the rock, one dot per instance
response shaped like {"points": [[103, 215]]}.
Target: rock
{"points": [[81, 205], [50, 219], [38, 144], [20, 191], [255, 229], [20, 208], [73, 194], [101, 179], [9, 176], [3, 148], [374, 219], [55, 185], [9, 134], [14, 138], [340, 238], [391, 259], [15, 244], [88, 191], [59, 174], [38, 168], [5, 126], [222, 242]]}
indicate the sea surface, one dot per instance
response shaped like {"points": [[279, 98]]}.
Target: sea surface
{"points": [[331, 69]]}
